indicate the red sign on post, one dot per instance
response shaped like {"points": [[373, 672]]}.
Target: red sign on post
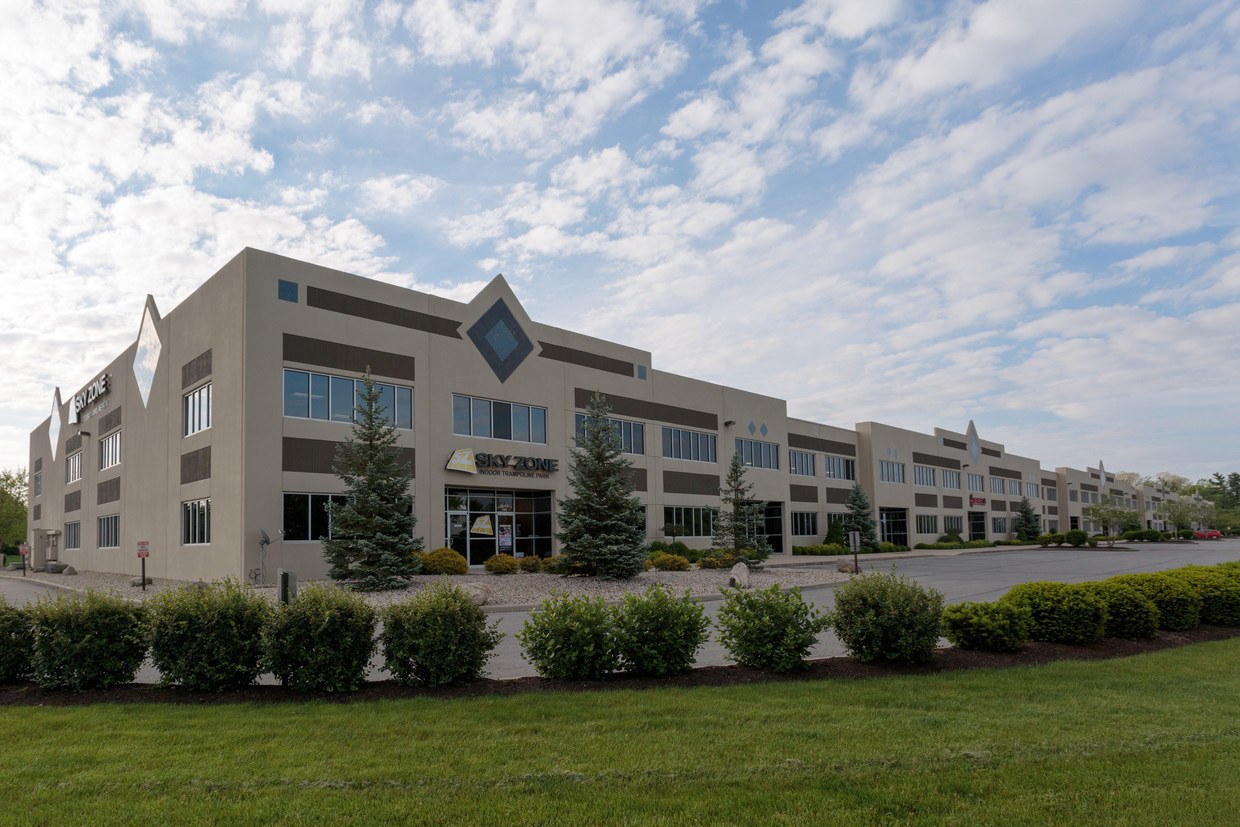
{"points": [[143, 548], [24, 548]]}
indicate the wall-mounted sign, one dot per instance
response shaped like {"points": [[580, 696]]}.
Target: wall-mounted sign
{"points": [[977, 500], [512, 465], [88, 395]]}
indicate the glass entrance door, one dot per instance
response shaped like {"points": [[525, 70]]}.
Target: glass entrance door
{"points": [[893, 525], [977, 525]]}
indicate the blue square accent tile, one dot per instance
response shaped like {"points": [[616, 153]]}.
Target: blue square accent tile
{"points": [[287, 291], [641, 371]]}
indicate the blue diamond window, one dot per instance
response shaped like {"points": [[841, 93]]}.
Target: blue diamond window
{"points": [[500, 340]]}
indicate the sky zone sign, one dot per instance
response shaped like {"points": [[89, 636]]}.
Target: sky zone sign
{"points": [[512, 465]]}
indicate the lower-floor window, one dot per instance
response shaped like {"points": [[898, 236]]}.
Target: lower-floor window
{"points": [[305, 516], [927, 524], [196, 522], [73, 535], [1052, 526], [110, 531], [834, 518], [804, 523], [999, 525], [694, 521], [953, 521], [482, 522]]}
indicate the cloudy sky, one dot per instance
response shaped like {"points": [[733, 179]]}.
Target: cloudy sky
{"points": [[1020, 213]]}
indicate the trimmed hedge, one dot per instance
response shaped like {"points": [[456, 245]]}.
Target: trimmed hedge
{"points": [[1219, 593], [988, 627], [1130, 614], [444, 561], [1061, 612], [1076, 538], [531, 564], [768, 629], [501, 564], [887, 616], [437, 637], [208, 637], [1179, 605], [86, 641], [571, 638], [16, 648], [321, 640], [670, 562], [658, 634]]}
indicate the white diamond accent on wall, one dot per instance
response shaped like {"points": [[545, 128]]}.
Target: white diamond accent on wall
{"points": [[975, 445], [53, 430], [147, 358]]}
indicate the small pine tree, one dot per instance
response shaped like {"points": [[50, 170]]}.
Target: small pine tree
{"points": [[372, 545], [859, 517], [602, 524], [740, 523], [835, 534], [1028, 525]]}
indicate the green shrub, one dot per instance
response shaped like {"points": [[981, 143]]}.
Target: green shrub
{"points": [[978, 544], [571, 638], [15, 643], [949, 538], [887, 616], [1062, 612], [1093, 541], [655, 547], [1044, 540], [1058, 538], [679, 548], [321, 640], [1186, 534], [990, 627], [657, 634], [717, 559], [1164, 535], [208, 637], [1076, 538], [444, 561], [531, 564], [86, 641], [437, 637], [1220, 594], [500, 564], [819, 548], [768, 629], [1130, 614], [1179, 605], [670, 562]]}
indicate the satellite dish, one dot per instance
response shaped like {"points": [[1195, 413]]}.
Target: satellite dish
{"points": [[265, 541]]}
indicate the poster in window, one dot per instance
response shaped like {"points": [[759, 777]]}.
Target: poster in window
{"points": [[505, 538]]}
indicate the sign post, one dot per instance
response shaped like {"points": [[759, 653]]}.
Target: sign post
{"points": [[143, 553], [854, 543], [24, 549]]}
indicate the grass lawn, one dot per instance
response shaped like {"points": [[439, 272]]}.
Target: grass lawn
{"points": [[1153, 739]]}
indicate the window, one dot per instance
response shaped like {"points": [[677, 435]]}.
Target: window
{"points": [[801, 463], [1052, 526], [927, 524], [1014, 487], [696, 521], [73, 536], [758, 454], [997, 486], [335, 398], [804, 523], [110, 531], [1093, 497], [36, 487], [890, 471], [110, 451], [977, 483], [197, 410], [953, 521], [632, 434], [833, 518], [492, 419], [73, 467], [923, 475], [999, 524], [951, 479], [1072, 495], [1049, 493], [694, 445], [840, 468], [286, 290], [196, 522], [1031, 490], [305, 516]]}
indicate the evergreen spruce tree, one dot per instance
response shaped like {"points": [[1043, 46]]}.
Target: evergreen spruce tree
{"points": [[859, 517], [1028, 525], [372, 545], [741, 522], [602, 524], [835, 534]]}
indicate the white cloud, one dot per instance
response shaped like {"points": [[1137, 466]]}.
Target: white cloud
{"points": [[397, 193]]}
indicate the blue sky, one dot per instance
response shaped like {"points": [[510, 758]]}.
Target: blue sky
{"points": [[1020, 213]]}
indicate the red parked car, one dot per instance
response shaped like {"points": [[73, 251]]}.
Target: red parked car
{"points": [[1208, 534]]}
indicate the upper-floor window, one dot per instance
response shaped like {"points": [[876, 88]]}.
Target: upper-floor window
{"points": [[695, 445], [977, 483], [923, 475], [196, 522], [804, 523], [890, 471], [632, 434], [801, 463], [73, 467], [110, 451], [36, 487], [951, 479], [1050, 493], [1014, 487], [472, 416], [840, 468], [758, 454], [1031, 490], [319, 396], [73, 535], [110, 531], [196, 406], [997, 486], [1072, 495]]}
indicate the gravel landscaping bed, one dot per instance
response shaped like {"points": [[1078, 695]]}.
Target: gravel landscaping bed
{"points": [[520, 589]]}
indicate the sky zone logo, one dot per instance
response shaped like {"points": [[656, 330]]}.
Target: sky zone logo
{"points": [[464, 459]]}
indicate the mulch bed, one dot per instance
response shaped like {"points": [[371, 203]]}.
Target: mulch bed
{"points": [[945, 660]]}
